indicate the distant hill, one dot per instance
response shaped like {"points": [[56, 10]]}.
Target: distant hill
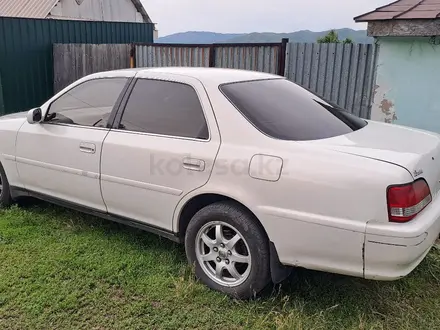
{"points": [[194, 37], [358, 36], [198, 37]]}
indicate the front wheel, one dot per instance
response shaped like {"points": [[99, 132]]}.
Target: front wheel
{"points": [[229, 249]]}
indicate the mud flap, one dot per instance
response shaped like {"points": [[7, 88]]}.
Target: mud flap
{"points": [[278, 271]]}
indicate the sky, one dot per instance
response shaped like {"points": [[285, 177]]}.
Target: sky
{"points": [[245, 16]]}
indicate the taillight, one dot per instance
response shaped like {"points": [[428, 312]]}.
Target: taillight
{"points": [[406, 201]]}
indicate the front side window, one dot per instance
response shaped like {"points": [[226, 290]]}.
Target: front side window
{"points": [[88, 104], [165, 108], [283, 110]]}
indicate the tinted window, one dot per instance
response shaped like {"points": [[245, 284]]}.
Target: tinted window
{"points": [[88, 104], [165, 108], [284, 110]]}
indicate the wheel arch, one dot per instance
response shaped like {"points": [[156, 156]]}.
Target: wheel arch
{"points": [[199, 201], [278, 271]]}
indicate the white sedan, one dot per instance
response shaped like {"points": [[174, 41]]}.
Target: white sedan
{"points": [[252, 172]]}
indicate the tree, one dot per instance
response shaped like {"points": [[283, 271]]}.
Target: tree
{"points": [[330, 38], [333, 38]]}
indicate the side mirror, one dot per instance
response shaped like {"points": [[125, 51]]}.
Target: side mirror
{"points": [[34, 116]]}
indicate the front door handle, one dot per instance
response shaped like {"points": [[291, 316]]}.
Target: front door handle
{"points": [[194, 164], [88, 148]]}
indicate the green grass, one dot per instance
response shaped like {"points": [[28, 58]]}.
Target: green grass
{"points": [[63, 270]]}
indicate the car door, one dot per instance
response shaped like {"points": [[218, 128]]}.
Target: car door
{"points": [[163, 146], [60, 156]]}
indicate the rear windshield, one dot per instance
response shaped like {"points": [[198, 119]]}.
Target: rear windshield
{"points": [[286, 111]]}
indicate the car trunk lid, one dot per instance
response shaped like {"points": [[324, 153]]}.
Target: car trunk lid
{"points": [[415, 150]]}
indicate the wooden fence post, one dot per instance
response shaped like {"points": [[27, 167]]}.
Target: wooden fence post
{"points": [[133, 56], [282, 57], [212, 56]]}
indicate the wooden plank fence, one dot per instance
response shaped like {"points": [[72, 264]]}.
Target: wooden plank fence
{"points": [[74, 61], [343, 74]]}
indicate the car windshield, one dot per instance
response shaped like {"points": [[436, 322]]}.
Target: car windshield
{"points": [[286, 111]]}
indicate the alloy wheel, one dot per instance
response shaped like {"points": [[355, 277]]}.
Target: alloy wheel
{"points": [[223, 253]]}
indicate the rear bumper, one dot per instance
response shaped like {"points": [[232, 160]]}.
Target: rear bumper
{"points": [[393, 250]]}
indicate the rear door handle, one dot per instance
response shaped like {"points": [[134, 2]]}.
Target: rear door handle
{"points": [[88, 148], [194, 164]]}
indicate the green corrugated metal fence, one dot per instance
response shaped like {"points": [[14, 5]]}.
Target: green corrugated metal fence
{"points": [[2, 104], [26, 57]]}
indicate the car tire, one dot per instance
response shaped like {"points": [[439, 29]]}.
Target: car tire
{"points": [[5, 193], [229, 249]]}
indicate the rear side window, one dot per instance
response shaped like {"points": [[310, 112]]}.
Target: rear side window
{"points": [[165, 108], [284, 110]]}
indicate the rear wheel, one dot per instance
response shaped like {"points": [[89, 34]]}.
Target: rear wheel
{"points": [[229, 249], [5, 194]]}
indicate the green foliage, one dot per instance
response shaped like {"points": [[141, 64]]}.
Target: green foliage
{"points": [[330, 38], [333, 38], [63, 270]]}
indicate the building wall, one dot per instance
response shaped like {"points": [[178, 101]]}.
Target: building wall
{"points": [[407, 89], [97, 10], [26, 53]]}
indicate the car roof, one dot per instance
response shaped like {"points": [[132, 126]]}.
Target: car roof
{"points": [[212, 75]]}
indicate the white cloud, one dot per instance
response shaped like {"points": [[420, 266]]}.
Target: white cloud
{"points": [[235, 16]]}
